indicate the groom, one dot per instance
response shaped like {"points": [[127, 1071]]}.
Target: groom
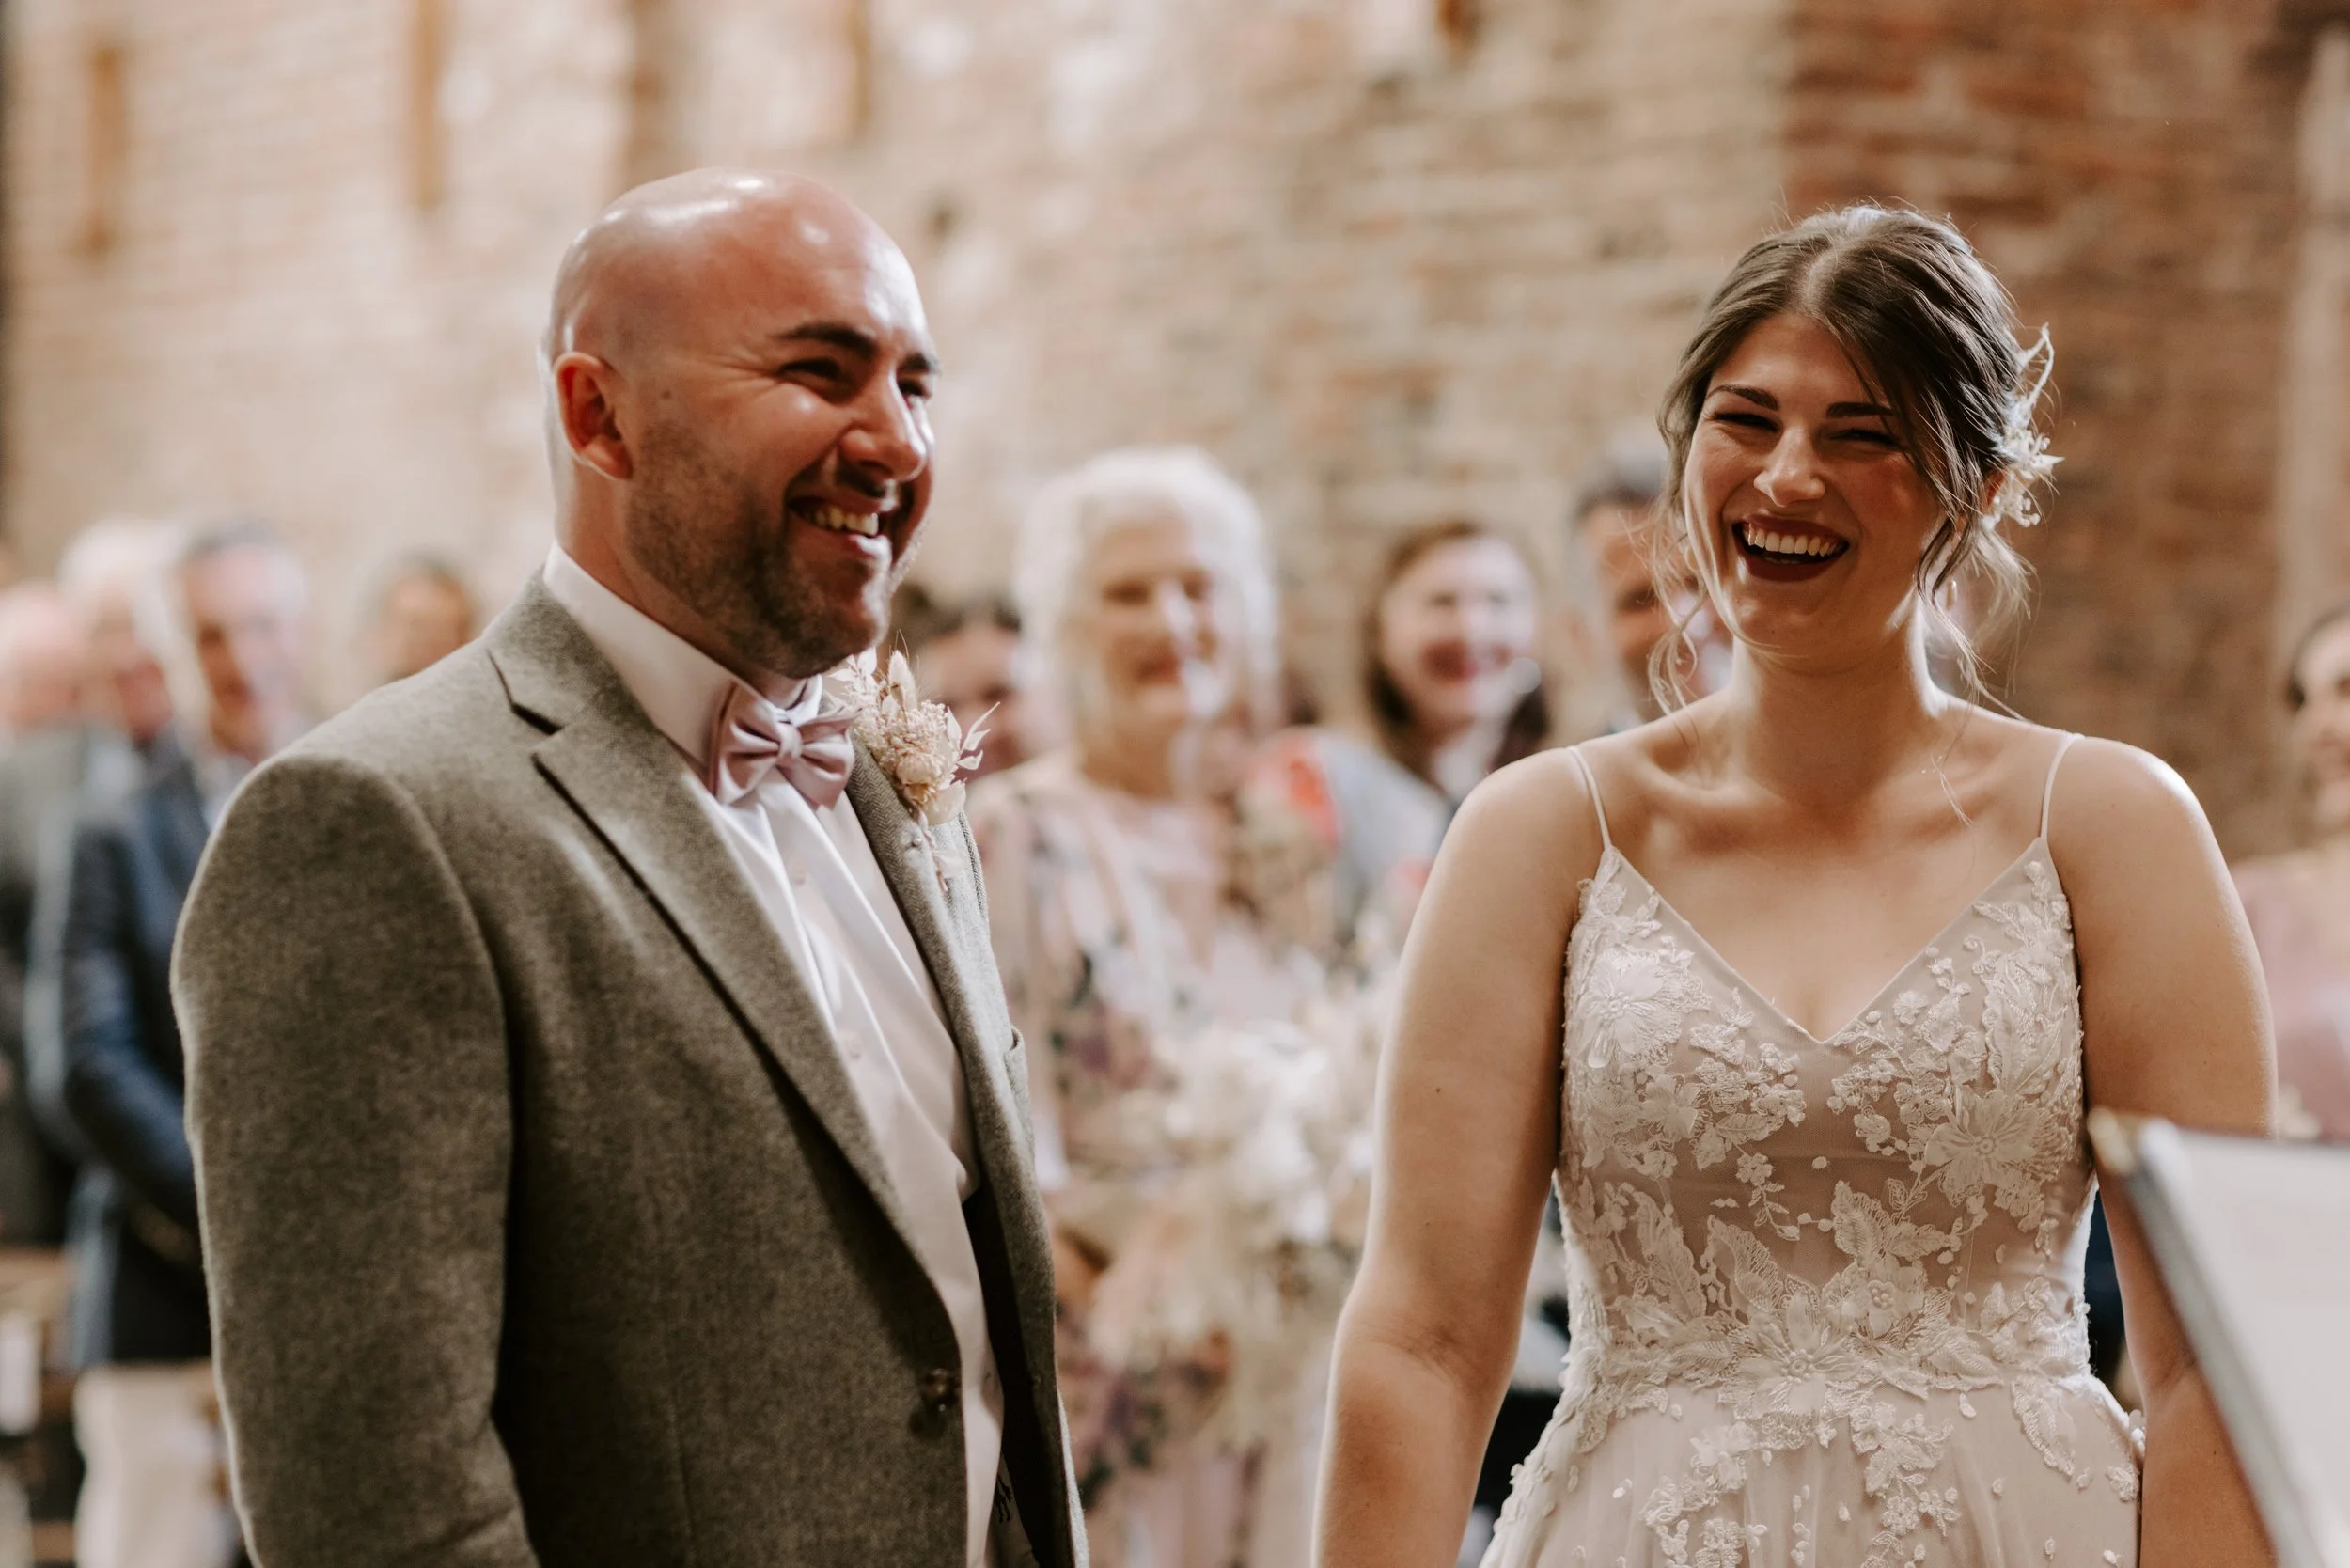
{"points": [[612, 1146]]}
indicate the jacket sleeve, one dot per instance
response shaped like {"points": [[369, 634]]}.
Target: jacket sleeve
{"points": [[351, 1111], [126, 1107]]}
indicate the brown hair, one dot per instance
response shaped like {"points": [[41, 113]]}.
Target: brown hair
{"points": [[1399, 733], [1933, 335]]}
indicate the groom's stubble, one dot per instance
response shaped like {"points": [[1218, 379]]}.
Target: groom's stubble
{"points": [[723, 547]]}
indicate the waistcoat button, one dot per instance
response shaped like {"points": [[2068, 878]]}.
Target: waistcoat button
{"points": [[939, 1389]]}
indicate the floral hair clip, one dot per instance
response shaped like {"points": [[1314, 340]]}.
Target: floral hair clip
{"points": [[2024, 455]]}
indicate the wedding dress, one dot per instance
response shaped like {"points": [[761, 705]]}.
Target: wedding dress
{"points": [[1826, 1292]]}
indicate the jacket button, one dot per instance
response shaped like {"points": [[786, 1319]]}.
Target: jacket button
{"points": [[939, 1389]]}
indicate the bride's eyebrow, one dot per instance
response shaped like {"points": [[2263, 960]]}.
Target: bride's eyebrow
{"points": [[1858, 411]]}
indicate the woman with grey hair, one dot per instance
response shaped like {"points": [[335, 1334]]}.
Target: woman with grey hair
{"points": [[1124, 924]]}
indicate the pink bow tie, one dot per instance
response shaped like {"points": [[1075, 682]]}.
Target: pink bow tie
{"points": [[752, 745]]}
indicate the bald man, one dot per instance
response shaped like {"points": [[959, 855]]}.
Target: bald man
{"points": [[612, 1146]]}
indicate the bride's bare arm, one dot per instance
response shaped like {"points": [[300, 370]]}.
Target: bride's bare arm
{"points": [[1468, 1131], [2176, 1022]]}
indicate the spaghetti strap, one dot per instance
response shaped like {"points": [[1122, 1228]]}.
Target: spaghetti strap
{"points": [[2048, 796], [1591, 782]]}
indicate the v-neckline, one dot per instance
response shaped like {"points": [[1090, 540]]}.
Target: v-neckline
{"points": [[1876, 1001]]}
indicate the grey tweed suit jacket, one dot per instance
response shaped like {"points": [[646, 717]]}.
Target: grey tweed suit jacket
{"points": [[543, 1223]]}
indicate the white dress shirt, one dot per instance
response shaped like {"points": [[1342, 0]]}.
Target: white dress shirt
{"points": [[814, 873]]}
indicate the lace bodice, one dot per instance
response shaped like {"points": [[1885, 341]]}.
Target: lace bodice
{"points": [[1800, 1226]]}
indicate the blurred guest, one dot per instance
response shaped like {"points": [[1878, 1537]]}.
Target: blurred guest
{"points": [[70, 745], [424, 612], [43, 646], [229, 614], [109, 571], [1453, 690], [48, 780], [915, 616], [2299, 904], [1628, 601], [968, 657], [1122, 927]]}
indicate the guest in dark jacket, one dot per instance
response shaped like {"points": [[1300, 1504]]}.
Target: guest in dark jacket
{"points": [[43, 652], [229, 621], [50, 773]]}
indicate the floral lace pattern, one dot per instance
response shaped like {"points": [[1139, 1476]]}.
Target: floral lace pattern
{"points": [[1781, 1244]]}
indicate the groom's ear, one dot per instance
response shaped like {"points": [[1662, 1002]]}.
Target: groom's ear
{"points": [[587, 408]]}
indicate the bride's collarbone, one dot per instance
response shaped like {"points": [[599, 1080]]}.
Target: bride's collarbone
{"points": [[1819, 936]]}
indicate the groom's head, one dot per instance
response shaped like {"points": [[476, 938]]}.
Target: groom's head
{"points": [[739, 378]]}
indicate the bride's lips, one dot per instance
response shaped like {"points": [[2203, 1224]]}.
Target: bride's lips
{"points": [[1778, 550]]}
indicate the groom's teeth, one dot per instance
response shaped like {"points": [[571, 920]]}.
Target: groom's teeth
{"points": [[841, 521]]}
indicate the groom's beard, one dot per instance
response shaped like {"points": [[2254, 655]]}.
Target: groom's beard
{"points": [[723, 547]]}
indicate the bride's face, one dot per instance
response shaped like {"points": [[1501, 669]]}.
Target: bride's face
{"points": [[1808, 511]]}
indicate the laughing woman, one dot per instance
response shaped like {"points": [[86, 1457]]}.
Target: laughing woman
{"points": [[1122, 929], [1845, 958], [1453, 690]]}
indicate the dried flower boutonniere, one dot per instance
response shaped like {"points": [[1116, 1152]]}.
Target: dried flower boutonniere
{"points": [[917, 743]]}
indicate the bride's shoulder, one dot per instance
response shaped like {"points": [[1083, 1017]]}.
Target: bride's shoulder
{"points": [[2089, 788], [1537, 812], [1532, 793], [2123, 826], [2103, 788]]}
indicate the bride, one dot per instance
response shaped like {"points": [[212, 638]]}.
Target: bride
{"points": [[1825, 1226]]}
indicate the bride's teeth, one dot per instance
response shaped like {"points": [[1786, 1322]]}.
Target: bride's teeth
{"points": [[1812, 545]]}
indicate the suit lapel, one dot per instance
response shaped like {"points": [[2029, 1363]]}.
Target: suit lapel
{"points": [[621, 774], [947, 920], [935, 914]]}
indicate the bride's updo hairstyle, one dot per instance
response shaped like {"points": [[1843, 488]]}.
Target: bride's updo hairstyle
{"points": [[1933, 335]]}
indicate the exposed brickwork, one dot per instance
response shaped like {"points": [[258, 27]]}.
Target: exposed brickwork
{"points": [[2129, 170], [1386, 273], [276, 325]]}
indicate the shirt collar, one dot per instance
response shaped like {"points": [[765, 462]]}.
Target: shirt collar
{"points": [[680, 687]]}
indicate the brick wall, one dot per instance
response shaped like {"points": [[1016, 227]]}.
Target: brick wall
{"points": [[1387, 271], [2130, 171], [275, 324]]}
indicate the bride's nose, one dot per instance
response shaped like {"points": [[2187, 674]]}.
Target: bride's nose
{"points": [[1791, 477]]}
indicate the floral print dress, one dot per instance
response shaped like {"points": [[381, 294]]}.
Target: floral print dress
{"points": [[1122, 926], [1827, 1293]]}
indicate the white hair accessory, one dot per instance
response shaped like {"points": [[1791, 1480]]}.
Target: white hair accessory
{"points": [[2024, 456]]}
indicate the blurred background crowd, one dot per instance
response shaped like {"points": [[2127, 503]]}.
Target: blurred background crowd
{"points": [[1295, 469]]}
